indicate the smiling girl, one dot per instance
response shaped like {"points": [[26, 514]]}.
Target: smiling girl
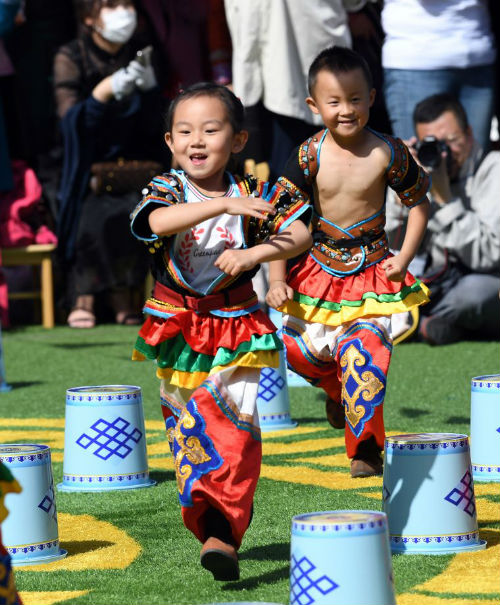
{"points": [[207, 231]]}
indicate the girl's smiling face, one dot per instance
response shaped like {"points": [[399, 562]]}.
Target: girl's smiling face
{"points": [[202, 141]]}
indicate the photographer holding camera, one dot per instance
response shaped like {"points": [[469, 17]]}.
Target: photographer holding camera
{"points": [[460, 254]]}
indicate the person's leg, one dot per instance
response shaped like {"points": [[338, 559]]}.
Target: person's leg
{"points": [[257, 125], [126, 305], [350, 363], [286, 133], [82, 313], [404, 88], [469, 309], [308, 354], [363, 353], [217, 451], [477, 95]]}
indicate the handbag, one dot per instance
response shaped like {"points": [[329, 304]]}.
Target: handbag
{"points": [[122, 176]]}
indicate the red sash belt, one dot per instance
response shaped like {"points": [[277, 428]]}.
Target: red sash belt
{"points": [[209, 302]]}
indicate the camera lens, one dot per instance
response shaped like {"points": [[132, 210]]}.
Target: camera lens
{"points": [[429, 152]]}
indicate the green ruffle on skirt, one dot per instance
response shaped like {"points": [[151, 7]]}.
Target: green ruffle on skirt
{"points": [[175, 352]]}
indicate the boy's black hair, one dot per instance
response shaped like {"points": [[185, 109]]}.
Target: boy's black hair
{"points": [[337, 59], [431, 108], [234, 106]]}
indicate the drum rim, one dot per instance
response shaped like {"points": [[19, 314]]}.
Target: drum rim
{"points": [[493, 378], [104, 389], [37, 448], [363, 517], [403, 438]]}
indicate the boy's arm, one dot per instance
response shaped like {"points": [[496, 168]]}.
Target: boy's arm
{"points": [[396, 266], [290, 242], [279, 291]]}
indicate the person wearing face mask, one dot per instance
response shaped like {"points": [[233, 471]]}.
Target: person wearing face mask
{"points": [[460, 255], [110, 108]]}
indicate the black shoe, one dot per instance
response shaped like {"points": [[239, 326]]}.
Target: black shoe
{"points": [[221, 559], [367, 462], [335, 413], [436, 330]]}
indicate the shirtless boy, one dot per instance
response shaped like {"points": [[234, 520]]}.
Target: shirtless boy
{"points": [[337, 298]]}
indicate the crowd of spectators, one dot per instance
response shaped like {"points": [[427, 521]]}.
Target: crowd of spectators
{"points": [[84, 85]]}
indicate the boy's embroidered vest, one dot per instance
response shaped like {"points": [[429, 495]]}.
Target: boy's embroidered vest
{"points": [[339, 251]]}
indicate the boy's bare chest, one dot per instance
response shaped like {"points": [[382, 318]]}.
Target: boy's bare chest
{"points": [[356, 177], [350, 189]]}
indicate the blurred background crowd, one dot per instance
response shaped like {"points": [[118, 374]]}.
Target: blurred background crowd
{"points": [[84, 85]]}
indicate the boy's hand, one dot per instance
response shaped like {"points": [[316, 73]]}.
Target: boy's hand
{"points": [[279, 292], [395, 268], [248, 206], [234, 262]]}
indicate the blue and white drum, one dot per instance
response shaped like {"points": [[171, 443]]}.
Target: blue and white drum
{"points": [[30, 533], [273, 402], [104, 439], [428, 494], [485, 427], [341, 557]]}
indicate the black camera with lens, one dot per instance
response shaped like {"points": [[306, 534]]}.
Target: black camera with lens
{"points": [[429, 150]]}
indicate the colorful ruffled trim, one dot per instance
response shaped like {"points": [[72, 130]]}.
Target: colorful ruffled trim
{"points": [[188, 348], [339, 300]]}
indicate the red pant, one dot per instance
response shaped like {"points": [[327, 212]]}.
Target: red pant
{"points": [[217, 451], [352, 371]]}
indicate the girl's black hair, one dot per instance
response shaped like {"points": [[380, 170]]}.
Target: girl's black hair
{"points": [[234, 106], [337, 59]]}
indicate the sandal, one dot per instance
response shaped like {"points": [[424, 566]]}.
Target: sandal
{"points": [[124, 318], [81, 318]]}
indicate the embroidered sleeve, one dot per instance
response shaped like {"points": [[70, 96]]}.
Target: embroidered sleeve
{"points": [[290, 202], [409, 180], [163, 190], [291, 196], [296, 177]]}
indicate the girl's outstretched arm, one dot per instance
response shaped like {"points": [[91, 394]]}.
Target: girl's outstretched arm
{"points": [[168, 220], [290, 242]]}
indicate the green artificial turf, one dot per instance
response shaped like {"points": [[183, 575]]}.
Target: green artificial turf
{"points": [[428, 391]]}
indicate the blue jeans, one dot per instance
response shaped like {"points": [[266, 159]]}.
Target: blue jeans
{"points": [[474, 87]]}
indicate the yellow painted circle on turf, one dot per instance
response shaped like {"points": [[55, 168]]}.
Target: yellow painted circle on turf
{"points": [[91, 544]]}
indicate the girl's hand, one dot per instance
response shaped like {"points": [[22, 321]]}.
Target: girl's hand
{"points": [[234, 262], [395, 268], [279, 292], [248, 206]]}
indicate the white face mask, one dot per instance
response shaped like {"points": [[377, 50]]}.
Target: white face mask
{"points": [[118, 24]]}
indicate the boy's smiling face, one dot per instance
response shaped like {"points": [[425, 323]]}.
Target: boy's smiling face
{"points": [[343, 100]]}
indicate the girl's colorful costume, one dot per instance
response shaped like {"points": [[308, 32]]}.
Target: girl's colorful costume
{"points": [[210, 339], [337, 327]]}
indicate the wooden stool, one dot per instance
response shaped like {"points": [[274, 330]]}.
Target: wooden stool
{"points": [[35, 254]]}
